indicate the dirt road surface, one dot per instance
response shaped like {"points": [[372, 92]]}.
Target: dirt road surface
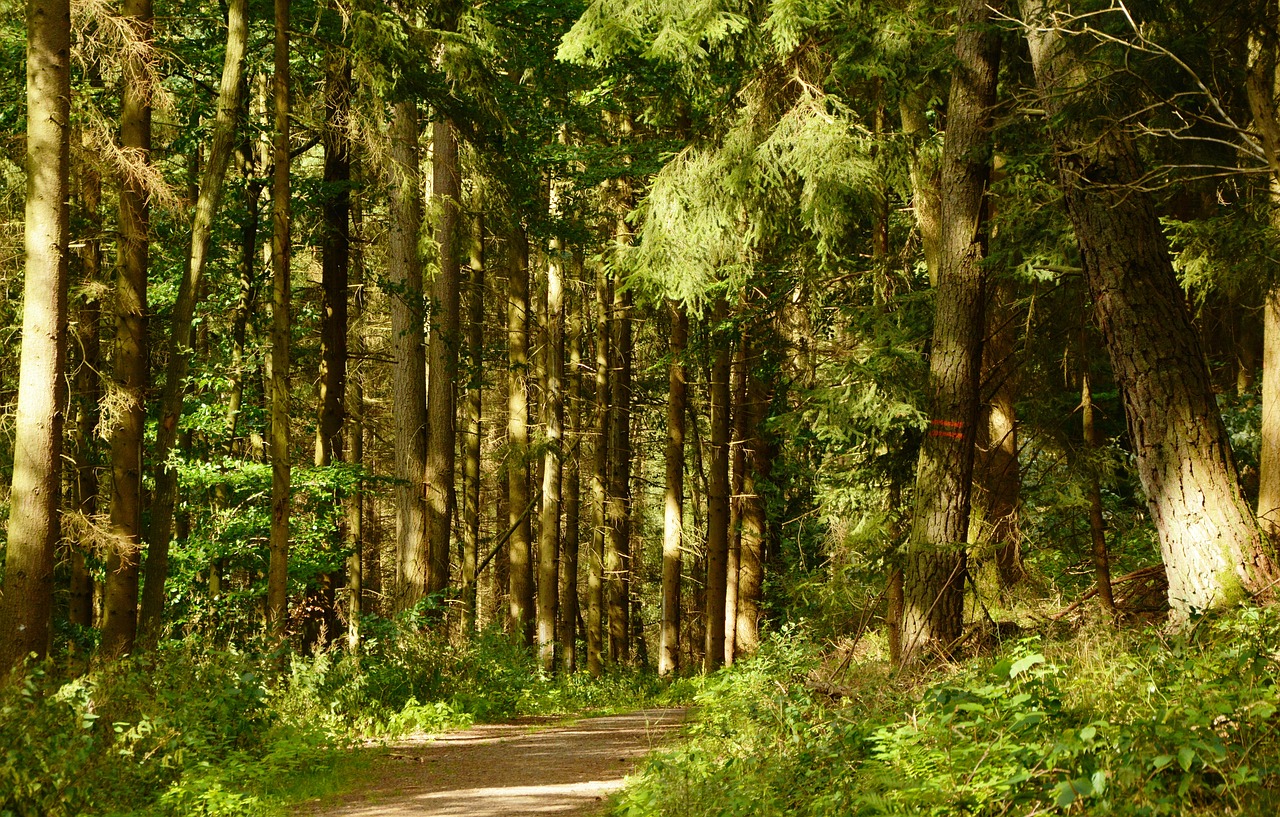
{"points": [[524, 768]]}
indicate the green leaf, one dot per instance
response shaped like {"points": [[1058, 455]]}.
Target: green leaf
{"points": [[1099, 781], [1025, 663], [1088, 733], [1185, 756], [1160, 761]]}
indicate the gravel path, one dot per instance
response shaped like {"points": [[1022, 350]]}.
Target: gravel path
{"points": [[528, 767]]}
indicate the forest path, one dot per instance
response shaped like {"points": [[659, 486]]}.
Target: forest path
{"points": [[528, 767]]}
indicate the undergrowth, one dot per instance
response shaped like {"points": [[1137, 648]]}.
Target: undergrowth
{"points": [[1126, 723], [192, 730]]}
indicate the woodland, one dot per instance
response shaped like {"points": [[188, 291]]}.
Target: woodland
{"points": [[897, 382]]}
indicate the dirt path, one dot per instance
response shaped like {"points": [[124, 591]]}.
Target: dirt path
{"points": [[507, 769]]}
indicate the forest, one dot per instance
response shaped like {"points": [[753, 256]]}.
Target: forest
{"points": [[895, 383]]}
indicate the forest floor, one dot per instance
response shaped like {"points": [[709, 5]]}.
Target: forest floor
{"points": [[530, 766]]}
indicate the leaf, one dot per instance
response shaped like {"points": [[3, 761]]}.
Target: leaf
{"points": [[1088, 733], [1099, 781], [1066, 794], [1160, 761], [1185, 756], [1025, 663]]}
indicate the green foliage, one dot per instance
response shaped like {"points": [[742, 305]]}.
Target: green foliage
{"points": [[1107, 723]]}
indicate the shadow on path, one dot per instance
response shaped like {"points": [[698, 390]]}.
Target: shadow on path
{"points": [[507, 769]]}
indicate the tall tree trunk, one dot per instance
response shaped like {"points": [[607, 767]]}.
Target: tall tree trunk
{"points": [[926, 200], [737, 465], [599, 481], [335, 258], [129, 361], [520, 600], [572, 477], [88, 385], [553, 403], [355, 499], [759, 464], [1097, 531], [408, 376], [673, 500], [717, 495], [160, 529], [1212, 548], [471, 443], [933, 578], [443, 357], [278, 571], [618, 556], [997, 479], [27, 600]]}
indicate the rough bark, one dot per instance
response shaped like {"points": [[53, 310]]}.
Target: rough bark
{"points": [[926, 200], [618, 548], [355, 499], [442, 356], [520, 600], [1097, 530], [599, 480], [281, 290], [737, 465], [474, 416], [408, 374], [552, 466], [933, 576], [160, 529], [1212, 548], [758, 466], [572, 475], [673, 498], [26, 603], [335, 259], [717, 496]]}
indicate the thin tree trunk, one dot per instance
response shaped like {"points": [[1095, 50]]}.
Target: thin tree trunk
{"points": [[27, 600], [618, 555], [997, 479], [355, 499], [759, 465], [933, 578], [599, 481], [717, 496], [278, 572], [335, 259], [1213, 552], [408, 376], [471, 443], [926, 199], [160, 529], [572, 477], [553, 400], [737, 465], [520, 600], [129, 361], [443, 357], [673, 501], [1097, 530]]}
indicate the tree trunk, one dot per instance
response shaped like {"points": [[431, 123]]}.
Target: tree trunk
{"points": [[599, 481], [27, 600], [335, 258], [933, 578], [129, 361], [408, 375], [759, 464], [1209, 538], [474, 415], [520, 600], [160, 529], [737, 465], [443, 357], [997, 479], [572, 477], [553, 402], [1097, 531], [278, 572], [717, 495], [355, 499], [926, 201], [618, 555], [673, 506]]}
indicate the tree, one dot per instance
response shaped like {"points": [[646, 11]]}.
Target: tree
{"points": [[521, 600], [718, 492], [673, 500], [1212, 549], [27, 598]]}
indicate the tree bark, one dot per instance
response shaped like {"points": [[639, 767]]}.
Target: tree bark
{"points": [[520, 600], [278, 571], [717, 495], [599, 481], [618, 549], [572, 476], [673, 501], [27, 600], [758, 466], [1097, 530], [335, 258], [408, 376], [474, 416], [160, 529], [443, 357], [933, 578], [737, 465], [129, 361], [553, 407], [1212, 548]]}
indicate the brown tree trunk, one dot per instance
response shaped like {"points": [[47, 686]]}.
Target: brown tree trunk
{"points": [[926, 200], [1097, 529], [520, 600], [599, 481], [758, 466], [572, 477], [474, 416], [129, 361], [997, 479], [933, 578], [335, 259], [408, 375], [27, 600], [278, 571], [737, 465], [553, 407], [717, 496], [1213, 552], [160, 529], [618, 548], [673, 506], [443, 357]]}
